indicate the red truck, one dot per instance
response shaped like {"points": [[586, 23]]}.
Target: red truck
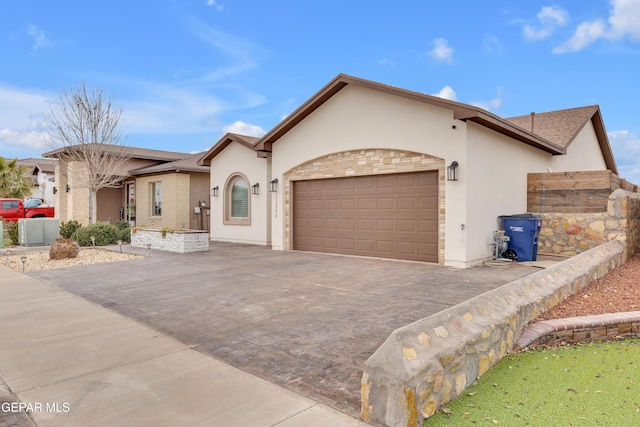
{"points": [[14, 209]]}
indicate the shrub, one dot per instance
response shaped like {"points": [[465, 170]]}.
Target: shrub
{"points": [[68, 228], [12, 231], [124, 232], [105, 234]]}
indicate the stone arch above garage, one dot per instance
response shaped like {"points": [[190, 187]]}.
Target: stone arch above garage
{"points": [[365, 162]]}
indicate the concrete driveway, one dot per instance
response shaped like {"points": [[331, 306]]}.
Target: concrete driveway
{"points": [[301, 320]]}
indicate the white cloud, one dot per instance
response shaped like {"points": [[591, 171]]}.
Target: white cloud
{"points": [[626, 150], [215, 4], [22, 119], [447, 92], [531, 33], [243, 128], [493, 45], [39, 38], [492, 104], [386, 61], [549, 18], [586, 33], [242, 54], [554, 15], [624, 20], [441, 51]]}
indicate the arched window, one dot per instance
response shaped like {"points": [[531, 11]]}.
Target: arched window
{"points": [[237, 201]]}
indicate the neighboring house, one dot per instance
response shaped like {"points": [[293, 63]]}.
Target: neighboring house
{"points": [[157, 189], [43, 175], [361, 168], [175, 194]]}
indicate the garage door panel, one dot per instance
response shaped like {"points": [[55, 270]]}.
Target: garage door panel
{"points": [[366, 203], [385, 203], [407, 225], [367, 245], [385, 225], [332, 204], [406, 248], [332, 223], [391, 216], [331, 243], [366, 225], [348, 204], [428, 226], [348, 243], [347, 224], [385, 247], [406, 203]]}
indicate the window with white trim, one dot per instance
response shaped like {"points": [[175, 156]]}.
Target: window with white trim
{"points": [[237, 201], [156, 198]]}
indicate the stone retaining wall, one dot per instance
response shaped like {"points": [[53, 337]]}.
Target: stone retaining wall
{"points": [[573, 233], [181, 241], [428, 363]]}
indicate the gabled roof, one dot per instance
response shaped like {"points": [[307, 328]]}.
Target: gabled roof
{"points": [[45, 165], [552, 133], [460, 112], [189, 164], [562, 126], [132, 152], [34, 165], [228, 138]]}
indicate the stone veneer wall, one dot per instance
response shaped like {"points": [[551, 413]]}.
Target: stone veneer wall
{"points": [[428, 363], [181, 241], [366, 162], [573, 233]]}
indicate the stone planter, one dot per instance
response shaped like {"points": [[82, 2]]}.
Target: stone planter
{"points": [[181, 241]]}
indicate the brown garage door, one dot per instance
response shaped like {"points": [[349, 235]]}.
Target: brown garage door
{"points": [[389, 216]]}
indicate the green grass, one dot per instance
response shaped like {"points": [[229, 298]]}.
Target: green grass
{"points": [[595, 384]]}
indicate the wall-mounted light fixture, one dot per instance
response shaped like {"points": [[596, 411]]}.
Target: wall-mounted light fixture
{"points": [[214, 191], [273, 186], [68, 188], [452, 171], [55, 190], [255, 188]]}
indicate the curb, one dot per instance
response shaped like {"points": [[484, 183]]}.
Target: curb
{"points": [[599, 327]]}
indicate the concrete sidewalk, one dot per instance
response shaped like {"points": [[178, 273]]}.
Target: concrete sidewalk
{"points": [[74, 363]]}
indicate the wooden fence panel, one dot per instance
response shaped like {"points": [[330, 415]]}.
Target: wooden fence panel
{"points": [[578, 192]]}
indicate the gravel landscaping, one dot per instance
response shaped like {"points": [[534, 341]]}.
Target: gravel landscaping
{"points": [[39, 260]]}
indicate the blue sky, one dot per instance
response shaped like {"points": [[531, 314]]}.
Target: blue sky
{"points": [[186, 71]]}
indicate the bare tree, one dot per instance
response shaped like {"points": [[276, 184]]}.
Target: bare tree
{"points": [[84, 128]]}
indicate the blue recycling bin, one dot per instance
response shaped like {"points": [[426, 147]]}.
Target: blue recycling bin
{"points": [[523, 231]]}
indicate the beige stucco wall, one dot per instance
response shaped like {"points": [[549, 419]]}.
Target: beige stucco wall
{"points": [[580, 154], [495, 175], [360, 119], [492, 173], [236, 158]]}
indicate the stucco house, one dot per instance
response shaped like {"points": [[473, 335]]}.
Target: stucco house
{"points": [[180, 187], [158, 188], [43, 176], [363, 168]]}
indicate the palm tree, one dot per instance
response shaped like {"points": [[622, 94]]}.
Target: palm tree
{"points": [[14, 179]]}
